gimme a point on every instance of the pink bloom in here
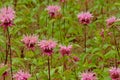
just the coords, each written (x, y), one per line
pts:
(85, 17)
(20, 75)
(30, 41)
(102, 33)
(53, 10)
(110, 21)
(76, 59)
(88, 76)
(5, 73)
(65, 50)
(7, 15)
(62, 1)
(47, 46)
(115, 73)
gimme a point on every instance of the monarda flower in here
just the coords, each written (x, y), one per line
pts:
(62, 1)
(110, 21)
(115, 73)
(65, 50)
(53, 11)
(47, 46)
(88, 76)
(20, 75)
(7, 15)
(85, 18)
(76, 59)
(30, 41)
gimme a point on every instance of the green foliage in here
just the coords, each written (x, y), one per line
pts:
(32, 18)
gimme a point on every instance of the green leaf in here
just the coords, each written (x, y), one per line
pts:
(110, 54)
(2, 70)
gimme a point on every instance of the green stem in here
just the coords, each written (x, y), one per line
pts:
(75, 73)
(52, 29)
(9, 48)
(49, 78)
(85, 35)
(48, 2)
(36, 77)
(86, 5)
(64, 22)
(15, 4)
(6, 58)
(3, 77)
(52, 37)
(64, 63)
(60, 33)
(31, 66)
(116, 45)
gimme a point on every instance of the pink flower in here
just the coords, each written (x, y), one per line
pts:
(47, 46)
(62, 1)
(20, 75)
(110, 21)
(88, 76)
(53, 10)
(5, 73)
(30, 41)
(76, 59)
(85, 17)
(115, 73)
(7, 15)
(65, 50)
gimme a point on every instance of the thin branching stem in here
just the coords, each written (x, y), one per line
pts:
(15, 4)
(49, 78)
(60, 32)
(31, 65)
(64, 22)
(10, 51)
(85, 38)
(6, 57)
(86, 5)
(64, 63)
(52, 29)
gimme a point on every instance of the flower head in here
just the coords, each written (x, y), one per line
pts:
(7, 15)
(88, 76)
(53, 11)
(110, 21)
(65, 50)
(47, 46)
(62, 1)
(76, 59)
(115, 73)
(85, 17)
(30, 41)
(20, 75)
